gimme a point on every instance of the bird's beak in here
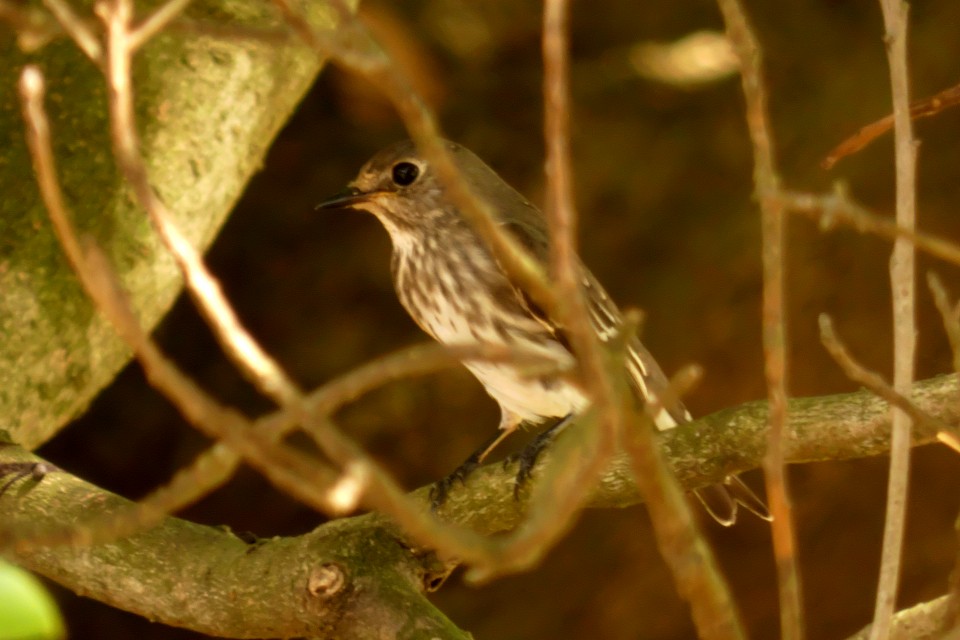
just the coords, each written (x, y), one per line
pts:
(349, 197)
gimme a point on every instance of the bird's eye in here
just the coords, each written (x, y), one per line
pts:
(405, 173)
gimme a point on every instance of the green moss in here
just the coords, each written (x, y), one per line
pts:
(207, 110)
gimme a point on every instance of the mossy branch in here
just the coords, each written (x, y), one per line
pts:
(359, 577)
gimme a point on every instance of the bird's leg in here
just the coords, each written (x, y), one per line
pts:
(441, 489)
(492, 444)
(529, 455)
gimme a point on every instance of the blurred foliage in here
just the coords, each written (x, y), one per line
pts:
(663, 180)
(27, 611)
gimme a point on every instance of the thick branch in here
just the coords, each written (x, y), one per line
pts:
(922, 621)
(342, 581)
(208, 105)
(227, 588)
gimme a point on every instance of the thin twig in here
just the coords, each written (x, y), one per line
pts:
(903, 286)
(567, 481)
(240, 346)
(950, 438)
(419, 360)
(837, 207)
(950, 315)
(925, 108)
(767, 190)
(572, 313)
(560, 209)
(215, 465)
(77, 29)
(698, 578)
(382, 492)
(581, 456)
(561, 214)
(156, 22)
(353, 47)
(874, 381)
(695, 570)
(564, 486)
(287, 468)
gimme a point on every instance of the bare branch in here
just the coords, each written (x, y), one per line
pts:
(920, 622)
(767, 192)
(354, 48)
(832, 427)
(925, 108)
(325, 585)
(903, 286)
(300, 476)
(562, 489)
(949, 313)
(156, 22)
(951, 324)
(684, 548)
(837, 207)
(216, 465)
(267, 375)
(560, 208)
(289, 469)
(243, 349)
(78, 30)
(873, 381)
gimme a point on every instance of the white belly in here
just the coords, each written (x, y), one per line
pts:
(470, 318)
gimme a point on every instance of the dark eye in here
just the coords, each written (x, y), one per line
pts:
(405, 173)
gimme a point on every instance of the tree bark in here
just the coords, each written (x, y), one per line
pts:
(208, 107)
(360, 577)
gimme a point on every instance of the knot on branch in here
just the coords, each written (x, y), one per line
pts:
(326, 581)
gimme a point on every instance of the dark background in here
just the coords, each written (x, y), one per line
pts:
(663, 180)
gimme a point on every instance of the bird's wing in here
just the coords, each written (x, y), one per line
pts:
(533, 239)
(646, 377)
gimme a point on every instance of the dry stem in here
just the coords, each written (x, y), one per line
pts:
(903, 286)
(767, 190)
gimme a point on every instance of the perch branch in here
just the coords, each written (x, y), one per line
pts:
(278, 602)
(920, 622)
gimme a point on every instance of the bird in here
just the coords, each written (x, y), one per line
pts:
(454, 288)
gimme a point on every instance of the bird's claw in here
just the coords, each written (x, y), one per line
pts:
(441, 488)
(527, 460)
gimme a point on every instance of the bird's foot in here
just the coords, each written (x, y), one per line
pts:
(528, 456)
(527, 460)
(441, 488)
